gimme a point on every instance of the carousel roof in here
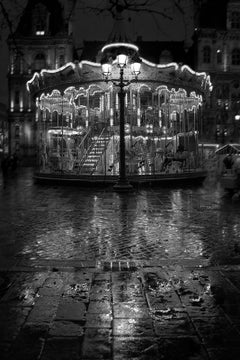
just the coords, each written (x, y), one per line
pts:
(154, 51)
(85, 73)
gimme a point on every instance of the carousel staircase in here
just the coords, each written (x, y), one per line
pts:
(94, 154)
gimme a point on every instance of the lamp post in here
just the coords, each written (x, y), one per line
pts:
(123, 59)
(237, 119)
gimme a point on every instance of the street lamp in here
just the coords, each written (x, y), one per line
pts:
(125, 54)
(237, 118)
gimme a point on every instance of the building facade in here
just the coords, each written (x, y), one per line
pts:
(42, 40)
(3, 130)
(218, 53)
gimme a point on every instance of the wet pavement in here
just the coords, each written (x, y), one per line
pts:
(92, 274)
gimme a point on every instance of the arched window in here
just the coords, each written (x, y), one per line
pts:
(235, 20)
(236, 57)
(145, 99)
(39, 62)
(94, 100)
(207, 54)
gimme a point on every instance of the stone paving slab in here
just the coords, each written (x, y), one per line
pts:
(167, 313)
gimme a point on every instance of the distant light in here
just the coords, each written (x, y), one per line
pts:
(40, 32)
(218, 50)
(65, 131)
(237, 117)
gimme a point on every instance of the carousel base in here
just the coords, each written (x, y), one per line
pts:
(188, 177)
(122, 186)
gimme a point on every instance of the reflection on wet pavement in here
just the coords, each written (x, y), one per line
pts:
(55, 222)
(91, 274)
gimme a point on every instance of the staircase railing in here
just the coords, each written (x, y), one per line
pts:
(104, 150)
(83, 144)
(90, 147)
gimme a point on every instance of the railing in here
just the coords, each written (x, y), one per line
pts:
(90, 147)
(84, 144)
(104, 150)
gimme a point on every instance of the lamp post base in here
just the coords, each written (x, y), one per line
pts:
(123, 186)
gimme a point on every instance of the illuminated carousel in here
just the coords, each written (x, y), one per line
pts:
(123, 120)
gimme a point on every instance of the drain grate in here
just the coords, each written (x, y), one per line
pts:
(119, 266)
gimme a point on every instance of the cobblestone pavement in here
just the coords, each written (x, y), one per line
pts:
(90, 274)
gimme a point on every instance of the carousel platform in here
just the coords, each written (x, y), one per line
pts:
(165, 179)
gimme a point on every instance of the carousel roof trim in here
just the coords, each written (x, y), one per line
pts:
(74, 73)
(49, 71)
(87, 62)
(147, 62)
(176, 66)
(35, 75)
(207, 77)
(119, 44)
(57, 70)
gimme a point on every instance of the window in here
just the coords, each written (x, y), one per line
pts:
(82, 100)
(17, 131)
(207, 54)
(40, 20)
(236, 84)
(18, 63)
(235, 20)
(94, 101)
(39, 62)
(61, 60)
(17, 97)
(236, 57)
(219, 56)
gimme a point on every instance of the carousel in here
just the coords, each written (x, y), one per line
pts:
(120, 120)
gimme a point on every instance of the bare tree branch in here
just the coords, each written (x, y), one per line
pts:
(176, 3)
(115, 7)
(10, 26)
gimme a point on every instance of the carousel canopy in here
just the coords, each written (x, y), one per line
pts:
(84, 73)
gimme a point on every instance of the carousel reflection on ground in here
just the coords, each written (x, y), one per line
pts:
(91, 274)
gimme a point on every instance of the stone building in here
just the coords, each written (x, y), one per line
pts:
(42, 40)
(3, 130)
(218, 53)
